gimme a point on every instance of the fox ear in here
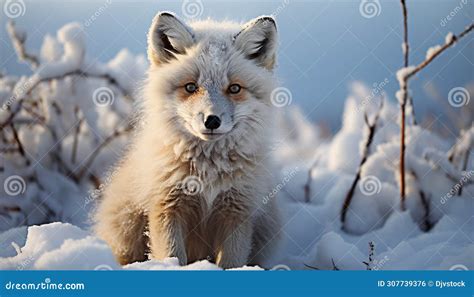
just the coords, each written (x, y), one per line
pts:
(258, 41)
(167, 38)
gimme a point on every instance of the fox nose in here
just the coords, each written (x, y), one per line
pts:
(212, 122)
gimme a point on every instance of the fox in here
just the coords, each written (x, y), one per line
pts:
(193, 181)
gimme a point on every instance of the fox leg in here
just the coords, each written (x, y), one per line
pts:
(266, 234)
(231, 227)
(123, 226)
(170, 223)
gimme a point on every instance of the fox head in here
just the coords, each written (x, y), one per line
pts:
(211, 79)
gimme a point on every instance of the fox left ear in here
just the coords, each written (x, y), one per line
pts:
(258, 41)
(167, 38)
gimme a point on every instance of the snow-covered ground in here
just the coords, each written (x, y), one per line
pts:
(52, 183)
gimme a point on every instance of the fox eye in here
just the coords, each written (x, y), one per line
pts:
(234, 88)
(190, 87)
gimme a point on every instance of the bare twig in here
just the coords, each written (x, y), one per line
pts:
(460, 148)
(370, 263)
(312, 267)
(406, 55)
(9, 150)
(117, 133)
(21, 150)
(307, 186)
(18, 40)
(403, 105)
(365, 154)
(334, 267)
(76, 135)
(81, 73)
(406, 45)
(464, 167)
(439, 51)
(427, 224)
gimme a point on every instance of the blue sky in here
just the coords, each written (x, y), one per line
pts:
(324, 44)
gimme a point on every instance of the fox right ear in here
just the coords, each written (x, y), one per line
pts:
(167, 38)
(258, 41)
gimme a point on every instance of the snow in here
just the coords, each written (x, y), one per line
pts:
(404, 48)
(66, 104)
(432, 51)
(72, 39)
(62, 246)
(402, 74)
(449, 38)
(313, 175)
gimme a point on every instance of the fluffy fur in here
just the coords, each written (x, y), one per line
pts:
(186, 191)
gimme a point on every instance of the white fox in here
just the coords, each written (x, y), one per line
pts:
(192, 185)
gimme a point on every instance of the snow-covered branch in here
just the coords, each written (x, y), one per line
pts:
(18, 39)
(62, 122)
(307, 185)
(425, 202)
(404, 75)
(372, 127)
(433, 52)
